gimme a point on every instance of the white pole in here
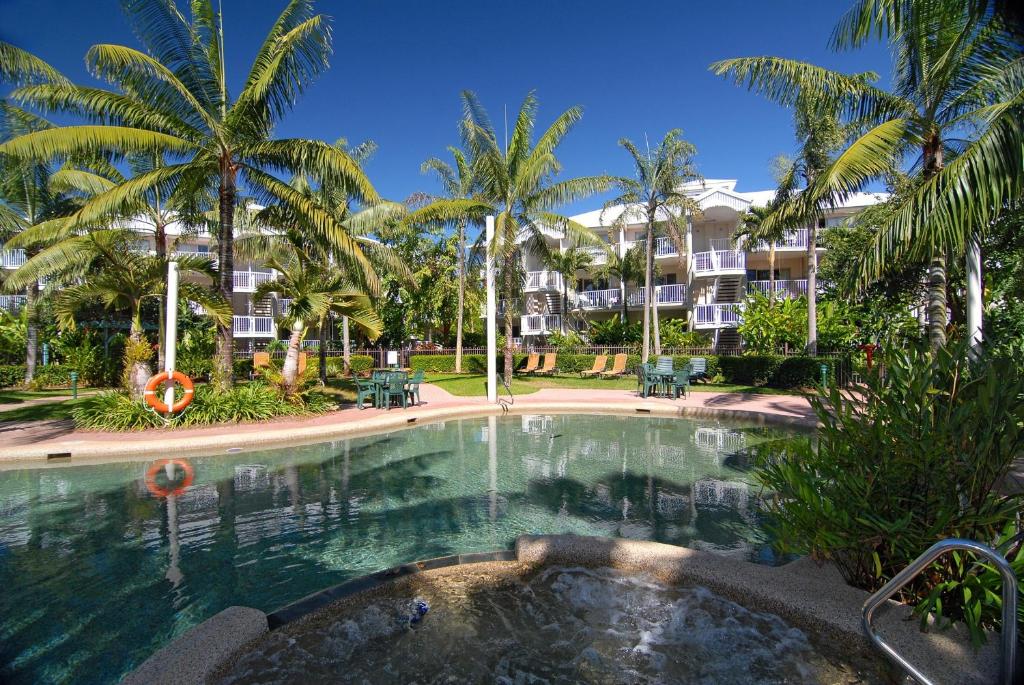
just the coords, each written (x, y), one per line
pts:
(492, 315)
(171, 342)
(974, 299)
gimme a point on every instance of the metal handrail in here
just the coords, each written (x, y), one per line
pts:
(1009, 631)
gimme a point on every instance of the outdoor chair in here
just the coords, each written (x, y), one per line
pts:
(260, 360)
(618, 367)
(600, 361)
(302, 363)
(644, 381)
(550, 359)
(396, 388)
(664, 365)
(698, 369)
(532, 363)
(364, 388)
(681, 382)
(413, 388)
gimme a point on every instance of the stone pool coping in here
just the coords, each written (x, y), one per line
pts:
(83, 447)
(811, 597)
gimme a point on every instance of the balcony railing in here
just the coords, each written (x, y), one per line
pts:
(597, 255)
(716, 315)
(600, 299)
(248, 281)
(792, 240)
(540, 324)
(667, 294)
(543, 280)
(788, 288)
(722, 244)
(254, 326)
(12, 259)
(663, 246)
(715, 261)
(12, 303)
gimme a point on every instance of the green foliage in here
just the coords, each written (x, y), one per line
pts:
(615, 333)
(916, 458)
(135, 352)
(113, 411)
(53, 376)
(360, 363)
(674, 334)
(769, 326)
(749, 369)
(836, 330)
(196, 347)
(779, 372)
(83, 349)
(11, 374)
(569, 341)
(12, 337)
(471, 363)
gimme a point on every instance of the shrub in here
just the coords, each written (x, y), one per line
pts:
(769, 326)
(569, 341)
(749, 369)
(615, 333)
(916, 458)
(53, 376)
(113, 410)
(471, 363)
(780, 372)
(12, 375)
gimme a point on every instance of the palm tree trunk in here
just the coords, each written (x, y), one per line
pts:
(160, 247)
(139, 373)
(346, 355)
(31, 331)
(654, 322)
(565, 305)
(812, 288)
(648, 292)
(290, 370)
(771, 274)
(223, 363)
(460, 308)
(322, 353)
(509, 363)
(937, 303)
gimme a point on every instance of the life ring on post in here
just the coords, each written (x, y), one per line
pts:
(160, 466)
(154, 401)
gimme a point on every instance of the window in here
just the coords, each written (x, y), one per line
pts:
(588, 284)
(668, 279)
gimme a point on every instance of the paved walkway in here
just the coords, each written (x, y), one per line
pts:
(40, 439)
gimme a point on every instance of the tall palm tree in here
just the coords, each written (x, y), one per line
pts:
(657, 197)
(629, 269)
(752, 227)
(568, 263)
(516, 188)
(173, 99)
(953, 70)
(104, 266)
(458, 183)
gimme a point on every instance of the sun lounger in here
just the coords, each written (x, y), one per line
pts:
(532, 363)
(600, 361)
(618, 367)
(550, 360)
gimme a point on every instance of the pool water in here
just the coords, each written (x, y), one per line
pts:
(98, 571)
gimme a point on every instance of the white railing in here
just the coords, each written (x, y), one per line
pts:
(721, 244)
(543, 280)
(663, 246)
(248, 281)
(598, 255)
(716, 315)
(600, 299)
(708, 262)
(538, 324)
(788, 288)
(254, 326)
(667, 294)
(792, 240)
(12, 303)
(12, 259)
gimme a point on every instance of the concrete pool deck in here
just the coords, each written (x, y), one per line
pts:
(41, 440)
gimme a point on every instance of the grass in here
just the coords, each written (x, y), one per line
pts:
(474, 385)
(40, 412)
(11, 396)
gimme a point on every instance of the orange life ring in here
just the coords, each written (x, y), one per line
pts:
(158, 466)
(153, 400)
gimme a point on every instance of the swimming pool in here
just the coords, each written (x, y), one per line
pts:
(98, 571)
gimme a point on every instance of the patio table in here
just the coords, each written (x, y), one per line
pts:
(664, 379)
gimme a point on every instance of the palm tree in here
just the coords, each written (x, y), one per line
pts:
(173, 99)
(657, 197)
(105, 266)
(752, 227)
(629, 270)
(953, 69)
(516, 188)
(458, 183)
(568, 263)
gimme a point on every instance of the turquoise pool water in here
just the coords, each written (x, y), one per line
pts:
(98, 572)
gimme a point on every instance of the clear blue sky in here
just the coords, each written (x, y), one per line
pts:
(398, 68)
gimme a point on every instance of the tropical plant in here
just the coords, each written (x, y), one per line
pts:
(615, 333)
(917, 456)
(458, 183)
(568, 263)
(516, 187)
(657, 197)
(674, 333)
(629, 270)
(768, 328)
(753, 228)
(954, 69)
(172, 98)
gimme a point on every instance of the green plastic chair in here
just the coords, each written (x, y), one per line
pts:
(681, 382)
(414, 385)
(645, 382)
(365, 388)
(396, 388)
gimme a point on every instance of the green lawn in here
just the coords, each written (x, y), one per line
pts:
(11, 396)
(471, 385)
(40, 412)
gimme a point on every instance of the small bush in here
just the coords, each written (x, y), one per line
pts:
(53, 376)
(471, 363)
(749, 369)
(12, 375)
(113, 411)
(780, 372)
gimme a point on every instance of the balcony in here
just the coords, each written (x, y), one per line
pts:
(12, 303)
(663, 247)
(793, 240)
(667, 295)
(598, 255)
(543, 280)
(600, 299)
(716, 315)
(254, 327)
(248, 281)
(12, 259)
(794, 288)
(716, 263)
(540, 324)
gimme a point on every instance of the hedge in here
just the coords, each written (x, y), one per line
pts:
(11, 374)
(781, 372)
(471, 363)
(567, 362)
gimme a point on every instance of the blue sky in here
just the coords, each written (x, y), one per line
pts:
(398, 67)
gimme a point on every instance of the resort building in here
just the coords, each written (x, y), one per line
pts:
(702, 280)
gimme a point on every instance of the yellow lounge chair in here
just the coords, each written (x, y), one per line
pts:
(618, 367)
(260, 360)
(600, 361)
(532, 363)
(549, 364)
